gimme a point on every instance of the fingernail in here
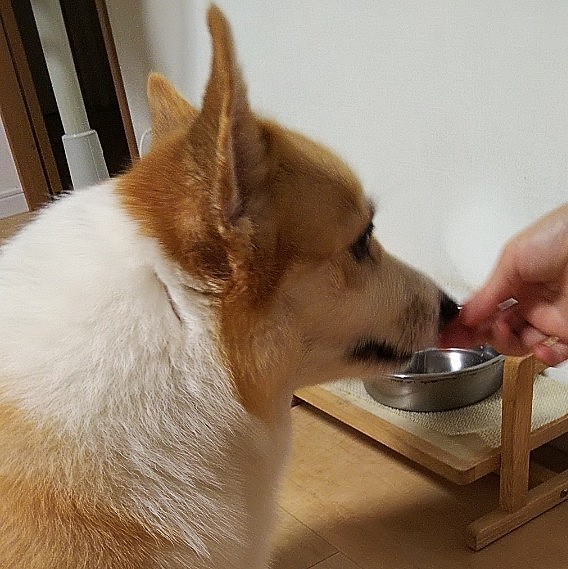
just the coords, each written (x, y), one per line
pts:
(506, 304)
(550, 341)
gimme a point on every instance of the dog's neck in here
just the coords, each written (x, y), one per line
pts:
(161, 405)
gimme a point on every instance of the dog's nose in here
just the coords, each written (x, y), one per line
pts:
(448, 311)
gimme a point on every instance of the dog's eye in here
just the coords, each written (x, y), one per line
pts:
(360, 249)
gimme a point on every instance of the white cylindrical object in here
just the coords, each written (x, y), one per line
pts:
(82, 146)
(60, 65)
(85, 158)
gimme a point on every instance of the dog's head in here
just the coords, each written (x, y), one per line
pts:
(277, 232)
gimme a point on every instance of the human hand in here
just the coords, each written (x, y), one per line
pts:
(533, 269)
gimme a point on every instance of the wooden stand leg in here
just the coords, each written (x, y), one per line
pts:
(516, 504)
(498, 523)
(518, 377)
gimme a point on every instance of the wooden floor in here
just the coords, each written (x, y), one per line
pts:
(349, 503)
(9, 225)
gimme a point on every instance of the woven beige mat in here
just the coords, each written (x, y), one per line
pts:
(550, 402)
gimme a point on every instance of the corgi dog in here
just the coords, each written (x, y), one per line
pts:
(153, 329)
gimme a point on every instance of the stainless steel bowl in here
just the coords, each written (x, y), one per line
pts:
(441, 379)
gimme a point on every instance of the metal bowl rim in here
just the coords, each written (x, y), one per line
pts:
(446, 375)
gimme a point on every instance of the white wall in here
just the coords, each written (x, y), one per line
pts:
(454, 113)
(12, 199)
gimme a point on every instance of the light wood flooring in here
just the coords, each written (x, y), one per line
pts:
(9, 225)
(349, 503)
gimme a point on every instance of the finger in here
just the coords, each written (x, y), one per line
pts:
(531, 337)
(526, 334)
(551, 354)
(535, 319)
(513, 336)
(500, 335)
(484, 304)
(514, 319)
(502, 285)
(519, 331)
(550, 318)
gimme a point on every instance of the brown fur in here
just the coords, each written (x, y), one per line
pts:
(55, 501)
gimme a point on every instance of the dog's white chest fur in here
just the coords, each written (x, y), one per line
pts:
(105, 339)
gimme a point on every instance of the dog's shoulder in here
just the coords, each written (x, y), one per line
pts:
(82, 304)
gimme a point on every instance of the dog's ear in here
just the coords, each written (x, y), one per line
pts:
(226, 135)
(168, 109)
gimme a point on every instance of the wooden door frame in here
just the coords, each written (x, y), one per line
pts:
(22, 117)
(110, 46)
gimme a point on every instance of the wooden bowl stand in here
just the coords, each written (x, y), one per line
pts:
(463, 459)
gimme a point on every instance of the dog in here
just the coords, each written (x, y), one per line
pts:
(154, 329)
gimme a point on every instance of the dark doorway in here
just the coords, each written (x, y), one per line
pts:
(98, 86)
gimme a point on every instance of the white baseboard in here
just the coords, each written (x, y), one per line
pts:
(12, 201)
